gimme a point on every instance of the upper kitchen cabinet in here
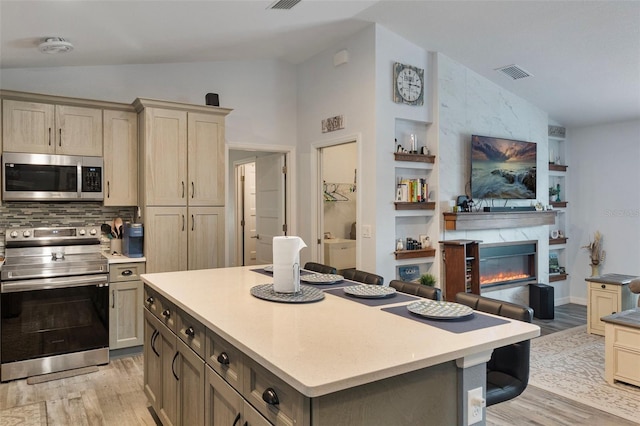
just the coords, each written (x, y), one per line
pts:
(44, 128)
(120, 158)
(205, 140)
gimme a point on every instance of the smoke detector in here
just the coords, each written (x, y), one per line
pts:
(55, 45)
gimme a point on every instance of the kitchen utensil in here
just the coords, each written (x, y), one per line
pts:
(117, 226)
(106, 229)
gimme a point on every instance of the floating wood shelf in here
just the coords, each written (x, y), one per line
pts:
(555, 241)
(429, 205)
(557, 167)
(413, 254)
(559, 204)
(497, 220)
(557, 277)
(417, 158)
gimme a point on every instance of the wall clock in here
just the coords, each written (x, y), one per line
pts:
(408, 84)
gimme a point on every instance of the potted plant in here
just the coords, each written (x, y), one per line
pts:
(428, 280)
(553, 192)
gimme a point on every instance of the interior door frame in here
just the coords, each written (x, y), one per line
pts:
(239, 191)
(316, 191)
(290, 186)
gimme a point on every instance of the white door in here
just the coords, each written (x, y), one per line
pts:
(249, 235)
(270, 204)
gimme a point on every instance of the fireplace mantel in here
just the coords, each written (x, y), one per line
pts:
(497, 220)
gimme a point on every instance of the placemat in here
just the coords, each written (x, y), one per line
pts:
(306, 294)
(396, 298)
(476, 322)
(270, 274)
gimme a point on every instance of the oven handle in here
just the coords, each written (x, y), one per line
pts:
(101, 280)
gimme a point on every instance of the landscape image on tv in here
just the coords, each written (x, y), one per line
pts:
(502, 168)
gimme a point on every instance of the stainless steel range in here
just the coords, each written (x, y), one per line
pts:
(54, 300)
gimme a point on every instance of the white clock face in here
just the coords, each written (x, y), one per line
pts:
(409, 84)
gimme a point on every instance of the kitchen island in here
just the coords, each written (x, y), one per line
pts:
(338, 360)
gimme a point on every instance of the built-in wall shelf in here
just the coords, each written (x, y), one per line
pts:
(497, 220)
(417, 158)
(557, 167)
(557, 277)
(558, 204)
(414, 254)
(556, 241)
(429, 205)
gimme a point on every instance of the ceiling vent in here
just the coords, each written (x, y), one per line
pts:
(514, 72)
(55, 45)
(283, 4)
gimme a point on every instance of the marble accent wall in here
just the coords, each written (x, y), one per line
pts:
(471, 104)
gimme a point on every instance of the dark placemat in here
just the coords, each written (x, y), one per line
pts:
(396, 298)
(340, 284)
(270, 274)
(476, 321)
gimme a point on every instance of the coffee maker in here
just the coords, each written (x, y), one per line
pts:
(132, 239)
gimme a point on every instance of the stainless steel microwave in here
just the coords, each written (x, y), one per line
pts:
(44, 177)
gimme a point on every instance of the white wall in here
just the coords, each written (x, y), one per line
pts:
(471, 104)
(604, 194)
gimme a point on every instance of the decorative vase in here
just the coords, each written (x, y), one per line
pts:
(595, 270)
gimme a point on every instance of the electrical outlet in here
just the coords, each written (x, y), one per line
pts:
(366, 231)
(475, 406)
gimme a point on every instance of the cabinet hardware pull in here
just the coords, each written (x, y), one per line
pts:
(166, 313)
(190, 332)
(182, 189)
(603, 286)
(113, 299)
(193, 223)
(127, 272)
(193, 189)
(60, 140)
(223, 358)
(49, 136)
(270, 397)
(173, 362)
(183, 223)
(154, 336)
(236, 420)
(150, 300)
(108, 190)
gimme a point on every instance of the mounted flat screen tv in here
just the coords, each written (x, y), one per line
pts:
(502, 168)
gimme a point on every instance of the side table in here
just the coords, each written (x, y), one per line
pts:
(622, 347)
(607, 294)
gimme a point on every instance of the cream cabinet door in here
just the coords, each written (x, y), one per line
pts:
(125, 316)
(78, 131)
(120, 158)
(165, 239)
(28, 127)
(205, 160)
(601, 304)
(165, 157)
(206, 237)
(190, 378)
(223, 405)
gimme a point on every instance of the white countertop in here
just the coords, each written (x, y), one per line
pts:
(121, 258)
(322, 347)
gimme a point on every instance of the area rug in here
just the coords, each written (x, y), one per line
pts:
(570, 363)
(25, 415)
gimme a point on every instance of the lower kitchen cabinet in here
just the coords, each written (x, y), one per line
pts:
(125, 317)
(174, 376)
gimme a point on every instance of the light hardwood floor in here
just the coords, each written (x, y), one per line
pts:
(114, 395)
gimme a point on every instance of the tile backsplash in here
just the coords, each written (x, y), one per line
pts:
(47, 214)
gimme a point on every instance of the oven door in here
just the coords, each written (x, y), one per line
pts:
(46, 318)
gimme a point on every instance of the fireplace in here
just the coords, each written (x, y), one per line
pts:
(508, 264)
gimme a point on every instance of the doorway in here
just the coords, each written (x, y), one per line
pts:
(337, 240)
(261, 193)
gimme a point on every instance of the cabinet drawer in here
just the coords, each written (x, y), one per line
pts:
(164, 310)
(191, 332)
(628, 338)
(625, 365)
(225, 359)
(259, 382)
(125, 271)
(606, 287)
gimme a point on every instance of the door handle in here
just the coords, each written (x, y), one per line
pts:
(113, 299)
(108, 189)
(256, 236)
(193, 189)
(182, 189)
(60, 140)
(49, 136)
(173, 362)
(193, 222)
(182, 222)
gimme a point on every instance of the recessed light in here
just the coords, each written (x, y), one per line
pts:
(55, 45)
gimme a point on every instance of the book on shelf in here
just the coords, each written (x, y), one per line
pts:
(412, 190)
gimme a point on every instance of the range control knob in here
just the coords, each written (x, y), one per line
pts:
(26, 234)
(93, 231)
(13, 234)
(81, 231)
